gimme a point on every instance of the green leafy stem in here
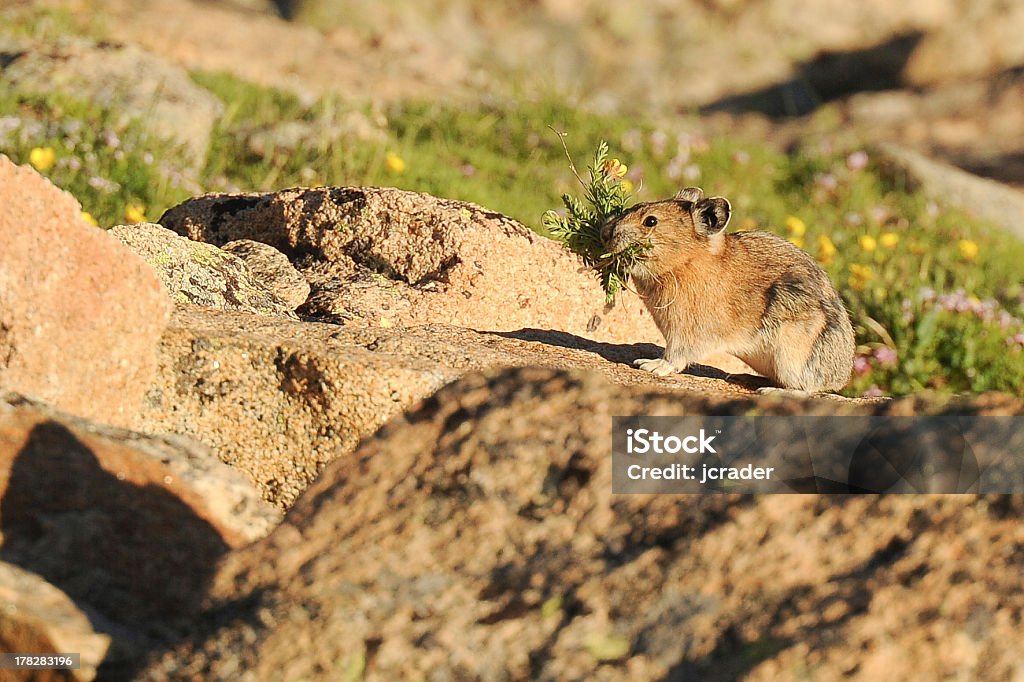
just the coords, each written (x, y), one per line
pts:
(606, 198)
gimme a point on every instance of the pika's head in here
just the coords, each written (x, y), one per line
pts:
(676, 230)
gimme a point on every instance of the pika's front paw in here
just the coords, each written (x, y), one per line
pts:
(658, 366)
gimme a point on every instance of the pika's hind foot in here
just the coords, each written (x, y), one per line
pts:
(784, 392)
(658, 366)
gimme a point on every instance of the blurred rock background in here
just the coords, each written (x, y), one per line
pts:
(942, 75)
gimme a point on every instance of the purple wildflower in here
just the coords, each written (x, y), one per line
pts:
(674, 169)
(826, 181)
(956, 302)
(632, 140)
(861, 365)
(9, 124)
(658, 142)
(878, 214)
(885, 355)
(857, 161)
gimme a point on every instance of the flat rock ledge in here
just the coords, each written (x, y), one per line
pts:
(279, 398)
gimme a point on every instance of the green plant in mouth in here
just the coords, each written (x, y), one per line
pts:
(606, 198)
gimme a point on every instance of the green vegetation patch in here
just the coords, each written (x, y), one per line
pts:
(116, 170)
(46, 22)
(935, 295)
(606, 198)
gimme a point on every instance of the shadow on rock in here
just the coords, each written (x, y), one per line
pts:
(135, 558)
(625, 354)
(828, 77)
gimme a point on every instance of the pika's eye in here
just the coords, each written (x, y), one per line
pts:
(650, 221)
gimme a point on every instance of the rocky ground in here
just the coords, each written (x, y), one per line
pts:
(363, 433)
(488, 542)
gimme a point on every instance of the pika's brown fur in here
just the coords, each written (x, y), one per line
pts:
(751, 294)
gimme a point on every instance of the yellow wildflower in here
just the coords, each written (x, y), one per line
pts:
(628, 186)
(748, 224)
(860, 275)
(551, 607)
(796, 227)
(394, 162)
(862, 271)
(87, 217)
(797, 241)
(42, 158)
(968, 249)
(867, 243)
(889, 239)
(615, 168)
(826, 249)
(135, 213)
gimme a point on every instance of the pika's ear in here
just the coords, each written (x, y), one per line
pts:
(691, 194)
(711, 215)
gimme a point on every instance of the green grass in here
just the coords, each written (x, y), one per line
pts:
(46, 23)
(505, 156)
(107, 164)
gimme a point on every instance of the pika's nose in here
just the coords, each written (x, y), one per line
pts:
(607, 232)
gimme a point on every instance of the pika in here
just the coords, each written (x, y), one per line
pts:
(751, 294)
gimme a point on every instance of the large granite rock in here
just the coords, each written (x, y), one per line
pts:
(130, 526)
(80, 315)
(279, 399)
(979, 43)
(984, 198)
(385, 256)
(38, 618)
(477, 537)
(273, 269)
(663, 57)
(201, 274)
